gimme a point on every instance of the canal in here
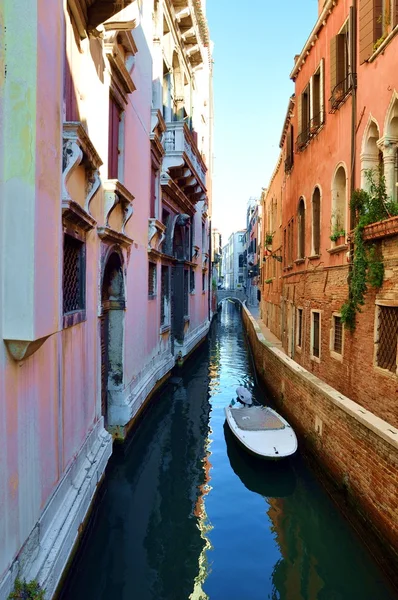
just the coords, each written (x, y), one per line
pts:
(184, 513)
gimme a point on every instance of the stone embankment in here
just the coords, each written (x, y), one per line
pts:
(357, 452)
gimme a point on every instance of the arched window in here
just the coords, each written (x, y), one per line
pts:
(339, 204)
(390, 149)
(316, 222)
(371, 156)
(301, 228)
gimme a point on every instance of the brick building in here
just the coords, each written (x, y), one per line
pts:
(335, 130)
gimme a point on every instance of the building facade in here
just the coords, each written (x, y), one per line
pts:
(339, 136)
(233, 262)
(252, 252)
(105, 140)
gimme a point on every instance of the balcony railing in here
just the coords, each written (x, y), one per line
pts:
(341, 91)
(310, 131)
(180, 146)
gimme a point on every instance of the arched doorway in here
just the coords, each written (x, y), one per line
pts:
(112, 329)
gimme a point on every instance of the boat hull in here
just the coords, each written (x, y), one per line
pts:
(270, 444)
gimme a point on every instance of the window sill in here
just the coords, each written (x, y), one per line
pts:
(299, 261)
(152, 296)
(299, 349)
(314, 257)
(382, 46)
(386, 373)
(164, 329)
(337, 249)
(336, 356)
(316, 359)
(73, 318)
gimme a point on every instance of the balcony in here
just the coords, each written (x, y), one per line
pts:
(311, 130)
(341, 91)
(183, 162)
(88, 14)
(381, 229)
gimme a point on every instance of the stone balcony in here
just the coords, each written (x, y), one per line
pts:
(183, 162)
(381, 229)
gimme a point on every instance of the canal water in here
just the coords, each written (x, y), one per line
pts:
(186, 514)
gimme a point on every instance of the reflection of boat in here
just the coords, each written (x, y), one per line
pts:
(262, 431)
(267, 479)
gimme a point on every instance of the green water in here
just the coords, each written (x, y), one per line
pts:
(184, 513)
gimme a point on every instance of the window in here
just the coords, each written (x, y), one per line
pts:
(301, 229)
(339, 205)
(299, 327)
(310, 108)
(240, 258)
(387, 338)
(341, 77)
(241, 238)
(316, 222)
(151, 279)
(315, 334)
(284, 247)
(74, 271)
(154, 193)
(203, 237)
(165, 299)
(71, 112)
(377, 18)
(240, 279)
(337, 341)
(203, 281)
(192, 281)
(290, 243)
(186, 292)
(289, 150)
(115, 117)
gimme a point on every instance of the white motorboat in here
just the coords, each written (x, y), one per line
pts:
(260, 429)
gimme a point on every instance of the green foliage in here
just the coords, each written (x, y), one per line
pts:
(26, 591)
(367, 264)
(268, 239)
(336, 234)
(270, 280)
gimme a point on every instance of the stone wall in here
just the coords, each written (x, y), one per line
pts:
(356, 451)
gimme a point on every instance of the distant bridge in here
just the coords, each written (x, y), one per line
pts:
(230, 294)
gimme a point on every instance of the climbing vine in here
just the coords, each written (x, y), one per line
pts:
(367, 263)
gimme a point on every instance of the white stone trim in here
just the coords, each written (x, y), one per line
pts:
(124, 404)
(45, 553)
(312, 357)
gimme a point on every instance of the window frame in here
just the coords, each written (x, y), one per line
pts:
(313, 356)
(74, 317)
(383, 370)
(299, 327)
(152, 266)
(333, 352)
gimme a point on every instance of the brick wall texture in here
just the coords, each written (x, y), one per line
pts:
(357, 450)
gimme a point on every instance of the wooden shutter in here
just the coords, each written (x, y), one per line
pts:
(341, 55)
(322, 91)
(291, 135)
(299, 117)
(113, 140)
(333, 63)
(153, 194)
(395, 13)
(370, 27)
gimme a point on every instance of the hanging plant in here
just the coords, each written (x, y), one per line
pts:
(268, 239)
(367, 264)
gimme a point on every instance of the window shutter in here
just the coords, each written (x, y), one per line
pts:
(333, 63)
(395, 13)
(299, 115)
(322, 92)
(369, 28)
(311, 99)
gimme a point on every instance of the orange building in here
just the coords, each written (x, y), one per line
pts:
(342, 121)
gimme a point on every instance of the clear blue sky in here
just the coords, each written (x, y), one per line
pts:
(254, 47)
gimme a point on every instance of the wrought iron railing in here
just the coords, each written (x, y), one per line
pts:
(310, 131)
(341, 91)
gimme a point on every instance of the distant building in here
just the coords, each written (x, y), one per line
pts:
(252, 251)
(233, 262)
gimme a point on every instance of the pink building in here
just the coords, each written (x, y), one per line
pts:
(105, 275)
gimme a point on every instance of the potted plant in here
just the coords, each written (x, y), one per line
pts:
(268, 239)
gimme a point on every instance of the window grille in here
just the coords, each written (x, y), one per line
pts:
(192, 281)
(151, 279)
(165, 294)
(388, 338)
(337, 335)
(73, 275)
(315, 334)
(299, 327)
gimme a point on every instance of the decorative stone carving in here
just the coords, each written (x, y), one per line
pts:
(116, 194)
(79, 150)
(156, 234)
(120, 50)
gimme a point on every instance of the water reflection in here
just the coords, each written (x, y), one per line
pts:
(267, 478)
(185, 513)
